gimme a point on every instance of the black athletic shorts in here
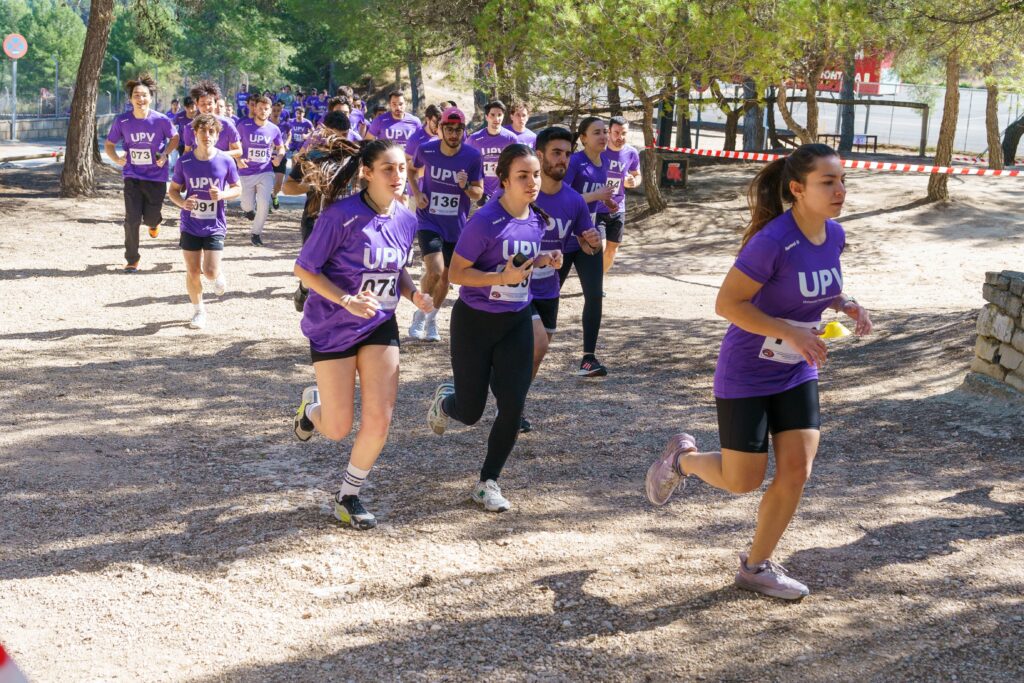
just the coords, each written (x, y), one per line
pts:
(190, 242)
(744, 423)
(546, 310)
(143, 200)
(611, 225)
(386, 334)
(283, 166)
(431, 243)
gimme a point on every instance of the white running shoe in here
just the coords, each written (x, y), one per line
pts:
(304, 427)
(436, 417)
(488, 494)
(220, 285)
(198, 321)
(431, 334)
(418, 328)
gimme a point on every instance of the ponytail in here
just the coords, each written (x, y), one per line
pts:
(770, 187)
(328, 168)
(542, 213)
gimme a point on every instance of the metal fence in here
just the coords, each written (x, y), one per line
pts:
(50, 105)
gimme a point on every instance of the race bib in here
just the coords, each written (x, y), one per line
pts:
(615, 184)
(444, 204)
(259, 155)
(141, 157)
(384, 286)
(491, 169)
(780, 351)
(298, 137)
(512, 293)
(206, 210)
(543, 273)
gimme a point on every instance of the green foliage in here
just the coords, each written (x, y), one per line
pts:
(52, 29)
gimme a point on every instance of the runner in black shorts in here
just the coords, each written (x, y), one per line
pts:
(787, 273)
(623, 163)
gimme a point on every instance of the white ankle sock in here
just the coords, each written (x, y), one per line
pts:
(354, 478)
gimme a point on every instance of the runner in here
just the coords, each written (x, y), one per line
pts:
(354, 263)
(229, 113)
(429, 131)
(300, 130)
(210, 180)
(786, 274)
(356, 115)
(262, 150)
(623, 163)
(491, 330)
(242, 101)
(205, 95)
(395, 124)
(325, 151)
(220, 108)
(446, 178)
(147, 137)
(569, 230)
(588, 176)
(279, 118)
(175, 109)
(490, 141)
(520, 115)
(184, 120)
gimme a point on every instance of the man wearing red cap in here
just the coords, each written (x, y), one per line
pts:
(452, 176)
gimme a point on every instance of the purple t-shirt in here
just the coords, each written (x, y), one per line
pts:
(143, 140)
(358, 250)
(448, 204)
(356, 118)
(300, 132)
(417, 139)
(490, 238)
(569, 218)
(800, 280)
(490, 148)
(619, 165)
(259, 144)
(354, 136)
(228, 134)
(196, 177)
(583, 176)
(397, 130)
(527, 137)
(242, 100)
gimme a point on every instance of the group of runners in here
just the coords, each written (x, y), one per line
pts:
(505, 214)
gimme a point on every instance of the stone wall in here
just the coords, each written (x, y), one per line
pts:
(49, 129)
(999, 351)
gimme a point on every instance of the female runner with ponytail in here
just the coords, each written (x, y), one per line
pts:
(492, 323)
(354, 266)
(786, 274)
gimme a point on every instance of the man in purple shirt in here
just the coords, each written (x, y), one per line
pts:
(623, 163)
(173, 111)
(395, 124)
(490, 141)
(262, 149)
(147, 137)
(520, 114)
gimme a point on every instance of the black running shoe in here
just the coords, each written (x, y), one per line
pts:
(257, 241)
(350, 511)
(299, 298)
(591, 367)
(276, 204)
(524, 426)
(251, 215)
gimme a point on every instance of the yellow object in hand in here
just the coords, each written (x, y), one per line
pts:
(835, 330)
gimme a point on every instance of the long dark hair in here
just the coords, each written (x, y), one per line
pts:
(584, 126)
(770, 187)
(329, 165)
(504, 167)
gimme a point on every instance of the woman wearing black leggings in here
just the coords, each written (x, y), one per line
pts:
(492, 327)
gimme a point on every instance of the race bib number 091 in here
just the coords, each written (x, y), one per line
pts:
(383, 286)
(206, 209)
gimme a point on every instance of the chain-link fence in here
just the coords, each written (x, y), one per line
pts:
(47, 104)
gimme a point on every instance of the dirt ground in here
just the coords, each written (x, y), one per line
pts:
(161, 523)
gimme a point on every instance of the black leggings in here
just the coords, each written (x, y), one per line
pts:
(590, 271)
(491, 350)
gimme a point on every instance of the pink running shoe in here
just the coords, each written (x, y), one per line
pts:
(769, 578)
(664, 476)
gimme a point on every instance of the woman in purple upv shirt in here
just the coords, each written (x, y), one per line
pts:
(492, 326)
(353, 265)
(786, 275)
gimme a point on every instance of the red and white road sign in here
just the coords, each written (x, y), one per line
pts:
(15, 46)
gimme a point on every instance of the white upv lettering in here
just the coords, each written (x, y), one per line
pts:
(616, 166)
(382, 258)
(142, 137)
(510, 248)
(441, 174)
(560, 225)
(821, 279)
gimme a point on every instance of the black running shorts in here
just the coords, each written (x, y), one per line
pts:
(431, 243)
(744, 423)
(546, 310)
(386, 334)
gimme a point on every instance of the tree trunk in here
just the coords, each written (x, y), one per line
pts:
(614, 99)
(814, 77)
(938, 183)
(995, 150)
(78, 178)
(732, 124)
(805, 135)
(480, 98)
(846, 114)
(773, 133)
(753, 123)
(419, 93)
(651, 162)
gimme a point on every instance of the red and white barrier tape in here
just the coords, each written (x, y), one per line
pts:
(848, 163)
(979, 160)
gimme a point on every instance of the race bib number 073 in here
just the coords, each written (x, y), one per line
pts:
(141, 157)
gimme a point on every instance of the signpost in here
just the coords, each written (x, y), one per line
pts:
(15, 47)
